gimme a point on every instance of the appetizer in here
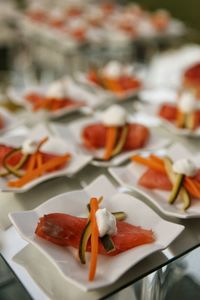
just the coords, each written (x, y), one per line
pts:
(191, 76)
(28, 162)
(55, 99)
(114, 133)
(181, 178)
(102, 232)
(114, 77)
(186, 114)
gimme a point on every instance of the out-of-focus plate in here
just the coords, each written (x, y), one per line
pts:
(76, 92)
(150, 111)
(107, 94)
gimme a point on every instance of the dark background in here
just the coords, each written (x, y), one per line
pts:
(188, 11)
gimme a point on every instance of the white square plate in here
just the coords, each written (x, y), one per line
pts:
(151, 108)
(77, 162)
(74, 91)
(129, 175)
(75, 129)
(109, 269)
(106, 93)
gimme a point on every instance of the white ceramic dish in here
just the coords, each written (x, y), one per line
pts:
(77, 162)
(74, 91)
(106, 93)
(128, 176)
(109, 268)
(75, 129)
(150, 111)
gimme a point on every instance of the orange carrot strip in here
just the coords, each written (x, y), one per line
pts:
(111, 136)
(51, 164)
(39, 161)
(113, 85)
(94, 238)
(33, 159)
(156, 159)
(192, 187)
(41, 142)
(31, 163)
(180, 119)
(149, 163)
(197, 183)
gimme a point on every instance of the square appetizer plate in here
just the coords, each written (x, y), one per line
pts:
(129, 175)
(107, 94)
(109, 269)
(153, 99)
(75, 130)
(88, 101)
(53, 145)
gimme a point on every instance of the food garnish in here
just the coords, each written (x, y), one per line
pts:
(52, 104)
(83, 234)
(186, 114)
(28, 165)
(114, 134)
(115, 78)
(180, 178)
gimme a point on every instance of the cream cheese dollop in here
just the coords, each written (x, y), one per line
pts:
(106, 222)
(57, 90)
(29, 146)
(185, 166)
(115, 115)
(113, 69)
(187, 102)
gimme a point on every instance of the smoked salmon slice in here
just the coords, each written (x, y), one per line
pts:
(168, 112)
(40, 102)
(153, 179)
(66, 230)
(94, 136)
(191, 76)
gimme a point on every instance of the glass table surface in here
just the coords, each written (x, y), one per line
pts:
(39, 276)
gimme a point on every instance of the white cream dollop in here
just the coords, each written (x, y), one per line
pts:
(106, 222)
(29, 146)
(185, 166)
(113, 69)
(115, 115)
(57, 90)
(187, 102)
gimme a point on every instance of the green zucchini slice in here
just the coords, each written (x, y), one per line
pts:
(14, 170)
(107, 243)
(185, 196)
(172, 176)
(84, 241)
(4, 173)
(120, 215)
(118, 148)
(176, 188)
(106, 240)
(189, 121)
